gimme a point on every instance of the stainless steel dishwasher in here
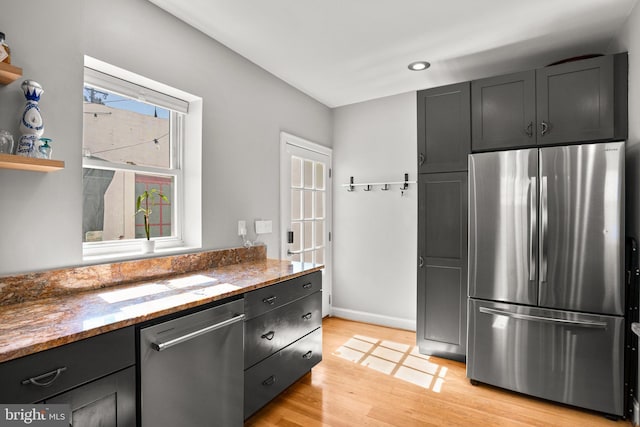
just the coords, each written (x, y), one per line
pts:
(191, 369)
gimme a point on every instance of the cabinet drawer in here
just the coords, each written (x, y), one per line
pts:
(276, 329)
(271, 297)
(273, 375)
(77, 363)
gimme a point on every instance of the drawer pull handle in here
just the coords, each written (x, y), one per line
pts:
(307, 355)
(269, 381)
(269, 335)
(269, 300)
(36, 380)
(306, 316)
(307, 285)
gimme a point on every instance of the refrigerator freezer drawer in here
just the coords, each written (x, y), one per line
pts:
(568, 357)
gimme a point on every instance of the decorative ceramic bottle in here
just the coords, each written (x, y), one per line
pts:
(31, 124)
(44, 150)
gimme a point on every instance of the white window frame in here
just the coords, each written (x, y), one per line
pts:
(186, 168)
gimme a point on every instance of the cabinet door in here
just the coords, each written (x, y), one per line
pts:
(503, 111)
(444, 128)
(442, 271)
(575, 101)
(107, 402)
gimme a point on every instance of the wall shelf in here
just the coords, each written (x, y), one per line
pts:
(11, 161)
(9, 73)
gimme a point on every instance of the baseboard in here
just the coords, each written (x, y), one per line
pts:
(376, 319)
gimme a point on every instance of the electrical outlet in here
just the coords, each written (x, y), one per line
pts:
(242, 228)
(264, 227)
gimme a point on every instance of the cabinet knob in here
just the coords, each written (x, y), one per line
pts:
(269, 300)
(545, 128)
(529, 129)
(307, 285)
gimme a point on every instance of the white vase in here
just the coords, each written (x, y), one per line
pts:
(31, 124)
(148, 246)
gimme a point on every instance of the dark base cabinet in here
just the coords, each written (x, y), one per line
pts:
(109, 401)
(442, 270)
(96, 376)
(283, 337)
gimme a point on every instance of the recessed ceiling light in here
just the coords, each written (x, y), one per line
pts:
(419, 65)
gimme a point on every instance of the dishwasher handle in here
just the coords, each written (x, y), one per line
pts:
(159, 346)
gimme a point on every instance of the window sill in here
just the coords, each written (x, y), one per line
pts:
(130, 254)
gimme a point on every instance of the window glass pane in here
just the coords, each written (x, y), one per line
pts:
(308, 204)
(295, 258)
(308, 174)
(319, 233)
(319, 205)
(296, 172)
(160, 210)
(308, 235)
(320, 176)
(296, 209)
(126, 131)
(319, 256)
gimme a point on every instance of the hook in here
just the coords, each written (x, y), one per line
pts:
(385, 187)
(367, 187)
(351, 187)
(406, 183)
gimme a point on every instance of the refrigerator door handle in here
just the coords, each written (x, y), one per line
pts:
(542, 319)
(544, 222)
(533, 223)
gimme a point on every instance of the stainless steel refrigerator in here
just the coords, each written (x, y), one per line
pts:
(546, 263)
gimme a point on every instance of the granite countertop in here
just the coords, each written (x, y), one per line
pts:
(39, 324)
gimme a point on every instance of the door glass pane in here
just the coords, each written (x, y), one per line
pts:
(308, 204)
(296, 227)
(319, 256)
(319, 206)
(319, 233)
(320, 176)
(308, 235)
(308, 257)
(296, 172)
(296, 210)
(308, 174)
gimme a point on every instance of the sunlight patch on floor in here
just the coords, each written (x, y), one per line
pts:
(401, 361)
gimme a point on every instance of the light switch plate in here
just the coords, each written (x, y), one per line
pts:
(264, 227)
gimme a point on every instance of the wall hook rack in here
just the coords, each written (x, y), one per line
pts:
(384, 186)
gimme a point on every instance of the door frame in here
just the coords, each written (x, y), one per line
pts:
(287, 139)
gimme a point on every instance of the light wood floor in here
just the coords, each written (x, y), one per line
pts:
(341, 392)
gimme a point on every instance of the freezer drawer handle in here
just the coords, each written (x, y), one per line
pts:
(36, 380)
(581, 323)
(166, 344)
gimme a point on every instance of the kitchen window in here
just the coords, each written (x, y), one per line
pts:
(138, 135)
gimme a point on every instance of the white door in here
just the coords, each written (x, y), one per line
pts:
(305, 206)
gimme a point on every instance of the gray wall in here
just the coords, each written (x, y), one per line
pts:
(245, 108)
(629, 40)
(375, 233)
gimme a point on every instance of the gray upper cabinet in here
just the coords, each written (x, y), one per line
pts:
(503, 111)
(578, 101)
(444, 128)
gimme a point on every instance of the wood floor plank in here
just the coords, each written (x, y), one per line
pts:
(386, 393)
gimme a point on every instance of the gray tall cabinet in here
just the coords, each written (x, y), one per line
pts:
(444, 142)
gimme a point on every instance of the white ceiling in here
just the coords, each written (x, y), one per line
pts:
(346, 51)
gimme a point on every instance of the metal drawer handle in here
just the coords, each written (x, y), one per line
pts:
(420, 159)
(269, 335)
(545, 128)
(542, 319)
(269, 300)
(165, 345)
(307, 285)
(529, 130)
(306, 316)
(269, 381)
(307, 355)
(36, 380)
